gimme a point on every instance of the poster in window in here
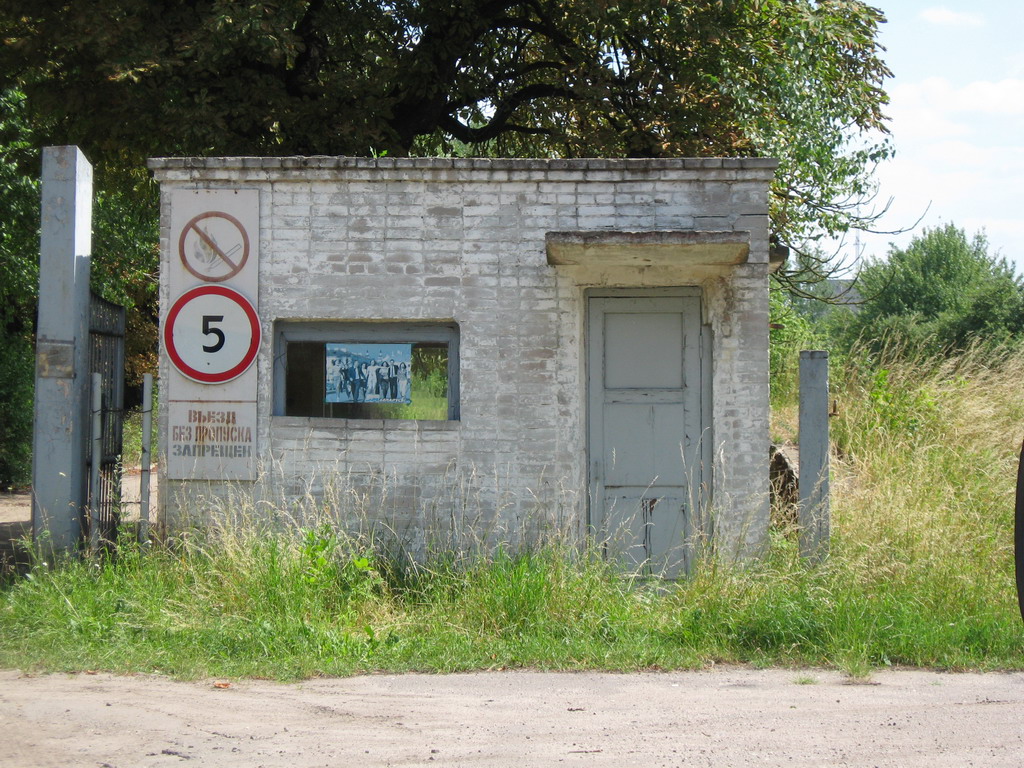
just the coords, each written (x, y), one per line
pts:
(368, 373)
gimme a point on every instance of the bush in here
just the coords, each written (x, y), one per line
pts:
(791, 331)
(16, 390)
(942, 292)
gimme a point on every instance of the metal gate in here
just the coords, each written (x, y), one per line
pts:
(106, 357)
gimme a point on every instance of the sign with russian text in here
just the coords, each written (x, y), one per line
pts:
(211, 334)
(211, 441)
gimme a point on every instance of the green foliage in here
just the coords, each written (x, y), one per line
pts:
(328, 564)
(825, 125)
(131, 444)
(943, 291)
(125, 223)
(920, 573)
(124, 269)
(790, 332)
(19, 279)
(795, 79)
(17, 366)
(897, 409)
(125, 264)
(430, 370)
(19, 224)
(428, 389)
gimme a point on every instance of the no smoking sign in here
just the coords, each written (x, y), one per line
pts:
(212, 334)
(213, 246)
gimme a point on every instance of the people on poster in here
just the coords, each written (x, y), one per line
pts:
(403, 382)
(368, 373)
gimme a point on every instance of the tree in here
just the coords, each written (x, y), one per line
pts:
(124, 267)
(797, 79)
(800, 80)
(943, 291)
(19, 278)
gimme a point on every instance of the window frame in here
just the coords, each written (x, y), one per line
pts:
(365, 332)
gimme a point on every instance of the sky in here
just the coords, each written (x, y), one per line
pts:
(957, 121)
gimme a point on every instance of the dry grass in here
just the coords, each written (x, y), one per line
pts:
(921, 570)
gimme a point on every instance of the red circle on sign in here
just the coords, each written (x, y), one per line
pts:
(193, 226)
(234, 371)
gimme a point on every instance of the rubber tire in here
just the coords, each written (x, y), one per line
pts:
(1018, 534)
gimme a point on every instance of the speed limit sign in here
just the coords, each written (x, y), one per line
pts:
(212, 334)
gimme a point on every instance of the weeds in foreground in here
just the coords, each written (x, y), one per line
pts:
(921, 573)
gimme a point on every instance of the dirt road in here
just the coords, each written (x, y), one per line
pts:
(723, 717)
(16, 512)
(16, 506)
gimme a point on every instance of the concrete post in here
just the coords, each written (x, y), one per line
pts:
(59, 478)
(96, 458)
(147, 456)
(814, 513)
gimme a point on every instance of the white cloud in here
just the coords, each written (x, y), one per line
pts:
(1014, 63)
(994, 97)
(1001, 97)
(920, 123)
(994, 160)
(957, 109)
(1004, 235)
(960, 180)
(943, 17)
(974, 186)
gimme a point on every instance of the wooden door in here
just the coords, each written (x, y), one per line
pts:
(645, 425)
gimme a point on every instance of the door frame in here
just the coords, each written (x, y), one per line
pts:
(702, 499)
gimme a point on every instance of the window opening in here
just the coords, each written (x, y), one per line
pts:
(366, 371)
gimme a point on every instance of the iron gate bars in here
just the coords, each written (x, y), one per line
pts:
(106, 357)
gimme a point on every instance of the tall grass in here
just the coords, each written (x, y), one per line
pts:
(920, 573)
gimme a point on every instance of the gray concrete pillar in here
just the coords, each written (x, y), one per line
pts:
(814, 513)
(59, 475)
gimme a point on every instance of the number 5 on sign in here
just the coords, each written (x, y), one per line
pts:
(212, 334)
(208, 329)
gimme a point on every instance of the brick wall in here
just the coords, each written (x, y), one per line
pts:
(465, 240)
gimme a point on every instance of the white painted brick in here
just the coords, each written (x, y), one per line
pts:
(465, 239)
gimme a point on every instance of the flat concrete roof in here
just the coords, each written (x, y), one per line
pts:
(458, 163)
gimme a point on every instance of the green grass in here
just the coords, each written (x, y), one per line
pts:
(920, 573)
(131, 446)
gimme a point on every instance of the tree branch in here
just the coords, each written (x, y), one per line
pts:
(499, 123)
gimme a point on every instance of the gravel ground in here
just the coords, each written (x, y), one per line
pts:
(16, 513)
(721, 717)
(15, 507)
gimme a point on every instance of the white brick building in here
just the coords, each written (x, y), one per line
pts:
(604, 323)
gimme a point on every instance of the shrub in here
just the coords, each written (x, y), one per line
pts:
(943, 291)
